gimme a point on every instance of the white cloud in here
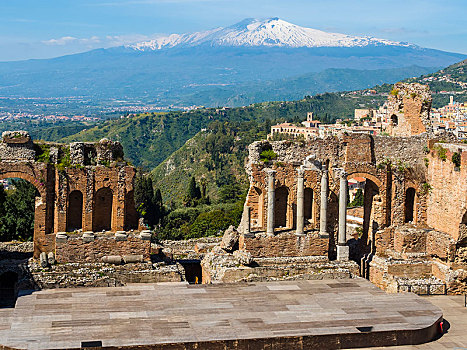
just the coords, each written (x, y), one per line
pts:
(94, 42)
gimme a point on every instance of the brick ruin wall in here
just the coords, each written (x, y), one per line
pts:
(82, 186)
(77, 248)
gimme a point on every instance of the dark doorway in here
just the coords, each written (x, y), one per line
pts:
(193, 271)
(75, 211)
(282, 194)
(308, 204)
(102, 213)
(8, 282)
(409, 204)
(394, 120)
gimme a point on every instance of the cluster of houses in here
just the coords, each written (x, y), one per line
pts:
(452, 118)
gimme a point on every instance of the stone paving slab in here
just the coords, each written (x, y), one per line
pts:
(304, 314)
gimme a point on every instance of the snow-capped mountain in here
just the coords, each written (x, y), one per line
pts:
(268, 32)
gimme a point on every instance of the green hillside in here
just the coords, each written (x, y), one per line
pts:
(148, 139)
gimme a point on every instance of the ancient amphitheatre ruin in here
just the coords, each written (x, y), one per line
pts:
(294, 227)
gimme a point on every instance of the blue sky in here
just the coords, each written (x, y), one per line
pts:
(50, 28)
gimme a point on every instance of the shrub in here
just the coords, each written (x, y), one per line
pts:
(394, 92)
(456, 159)
(441, 152)
(268, 155)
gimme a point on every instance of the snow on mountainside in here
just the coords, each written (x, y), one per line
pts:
(269, 32)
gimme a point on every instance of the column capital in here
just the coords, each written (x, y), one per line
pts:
(300, 172)
(270, 172)
(324, 167)
(343, 174)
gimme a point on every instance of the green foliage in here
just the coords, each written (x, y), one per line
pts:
(17, 211)
(148, 203)
(427, 161)
(442, 152)
(394, 92)
(358, 200)
(64, 160)
(456, 159)
(268, 155)
(426, 188)
(185, 223)
(42, 152)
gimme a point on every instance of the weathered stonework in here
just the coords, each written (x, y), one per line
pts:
(415, 200)
(75, 194)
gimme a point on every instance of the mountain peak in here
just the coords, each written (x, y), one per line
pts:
(268, 32)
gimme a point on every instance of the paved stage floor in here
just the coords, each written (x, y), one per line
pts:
(144, 314)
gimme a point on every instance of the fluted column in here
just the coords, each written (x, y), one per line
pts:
(271, 201)
(323, 216)
(342, 248)
(300, 202)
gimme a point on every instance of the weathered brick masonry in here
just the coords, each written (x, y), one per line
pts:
(82, 186)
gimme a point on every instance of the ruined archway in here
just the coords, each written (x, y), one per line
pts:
(102, 212)
(75, 211)
(19, 201)
(409, 207)
(370, 213)
(281, 205)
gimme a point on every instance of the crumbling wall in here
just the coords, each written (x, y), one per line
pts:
(409, 109)
(447, 188)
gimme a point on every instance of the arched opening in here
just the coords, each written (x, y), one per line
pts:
(8, 282)
(18, 202)
(394, 120)
(257, 207)
(75, 211)
(102, 213)
(131, 215)
(409, 204)
(362, 209)
(280, 211)
(308, 210)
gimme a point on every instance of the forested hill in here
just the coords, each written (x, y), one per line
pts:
(148, 139)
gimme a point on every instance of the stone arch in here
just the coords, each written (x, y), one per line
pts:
(102, 211)
(281, 206)
(409, 207)
(75, 211)
(31, 178)
(8, 282)
(308, 207)
(394, 120)
(372, 215)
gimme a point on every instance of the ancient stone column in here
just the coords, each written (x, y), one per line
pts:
(271, 201)
(300, 202)
(342, 248)
(323, 216)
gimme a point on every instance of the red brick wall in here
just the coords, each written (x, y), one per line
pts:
(285, 244)
(76, 250)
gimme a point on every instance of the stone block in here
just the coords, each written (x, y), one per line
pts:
(121, 236)
(16, 137)
(61, 237)
(230, 239)
(88, 236)
(133, 259)
(145, 235)
(112, 259)
(342, 253)
(410, 240)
